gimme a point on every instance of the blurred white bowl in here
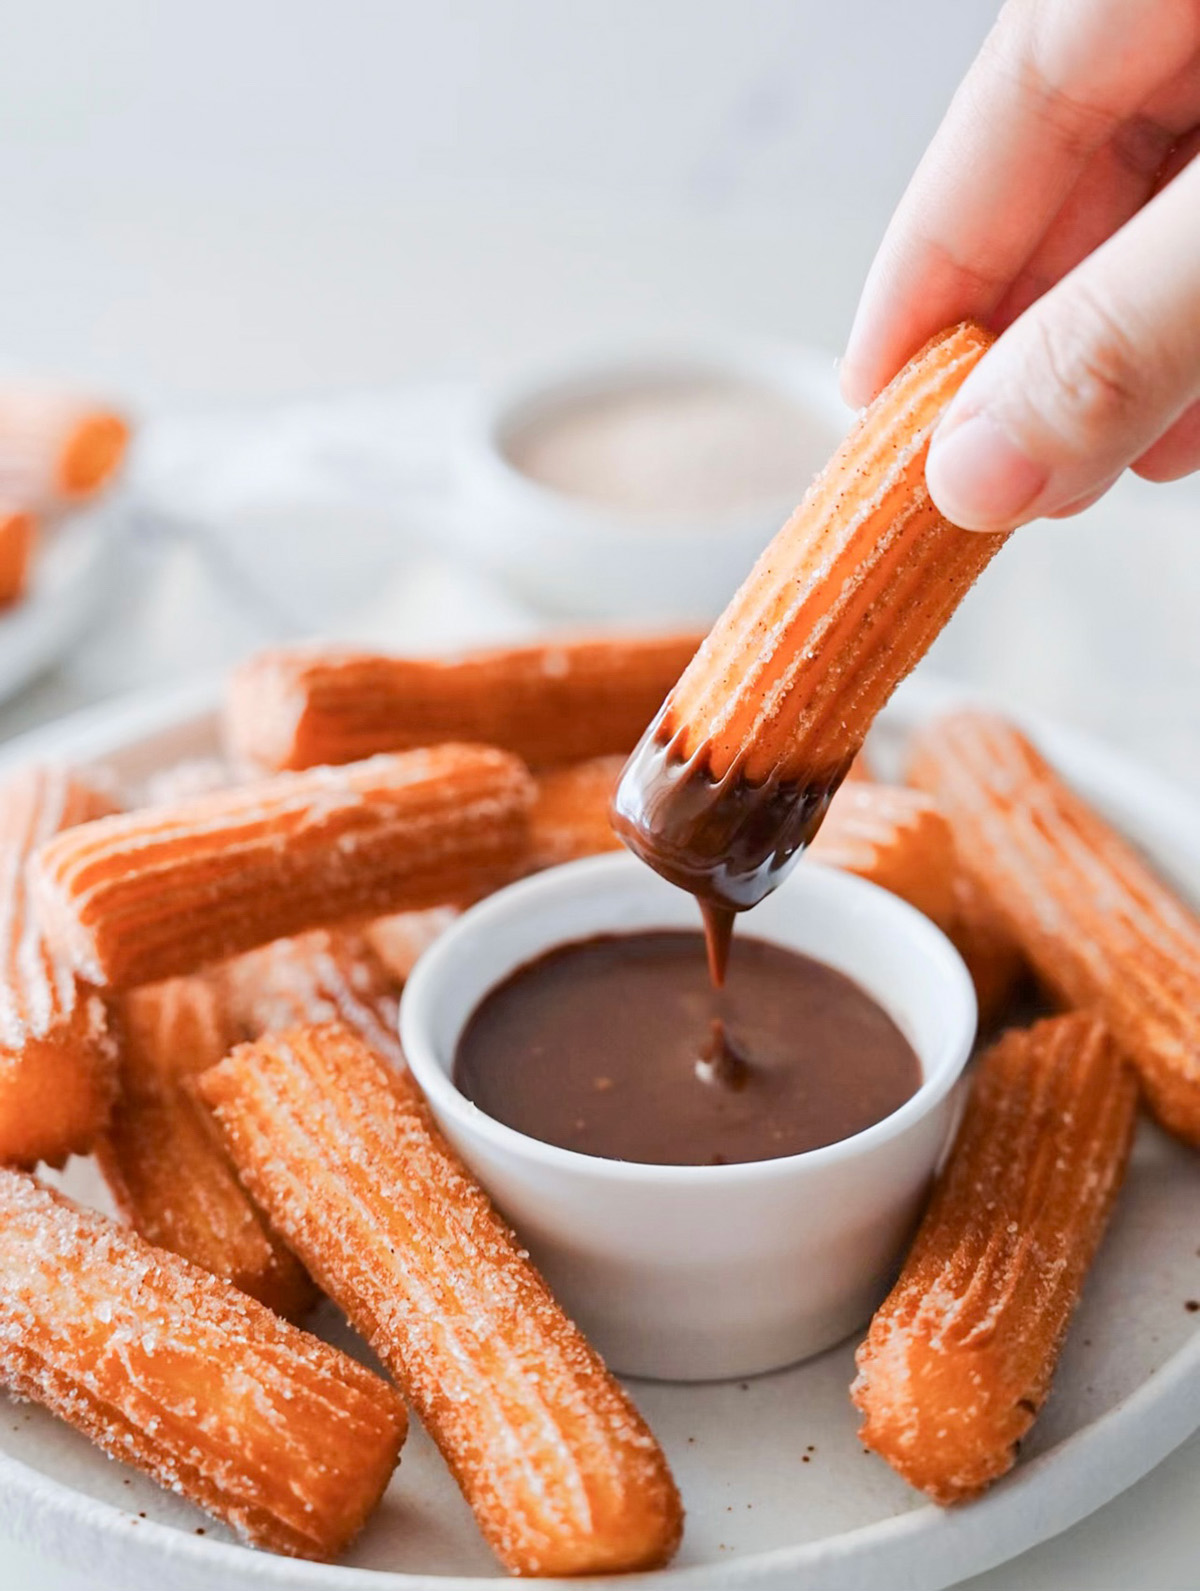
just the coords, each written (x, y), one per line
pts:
(578, 557)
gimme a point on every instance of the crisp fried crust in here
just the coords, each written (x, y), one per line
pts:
(1100, 929)
(181, 1375)
(160, 1158)
(571, 813)
(993, 957)
(57, 1063)
(323, 976)
(166, 890)
(549, 703)
(402, 938)
(895, 837)
(844, 601)
(562, 1473)
(18, 532)
(959, 1357)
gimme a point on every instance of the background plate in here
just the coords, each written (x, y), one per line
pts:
(779, 1491)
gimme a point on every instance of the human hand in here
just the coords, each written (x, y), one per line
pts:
(1058, 203)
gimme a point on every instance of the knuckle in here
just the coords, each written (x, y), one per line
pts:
(1096, 386)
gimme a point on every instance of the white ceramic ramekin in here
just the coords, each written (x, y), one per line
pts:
(700, 1272)
(581, 559)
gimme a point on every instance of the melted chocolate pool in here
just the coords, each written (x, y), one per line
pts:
(621, 1047)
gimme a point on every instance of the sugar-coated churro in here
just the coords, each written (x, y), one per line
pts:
(400, 939)
(1099, 928)
(181, 1375)
(57, 1063)
(549, 703)
(995, 961)
(166, 1172)
(895, 837)
(735, 773)
(562, 1473)
(571, 813)
(163, 891)
(959, 1357)
(322, 976)
(55, 448)
(18, 533)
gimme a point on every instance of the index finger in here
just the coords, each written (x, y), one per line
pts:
(1053, 82)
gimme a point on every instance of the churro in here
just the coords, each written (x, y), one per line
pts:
(57, 1063)
(562, 1473)
(163, 891)
(959, 1357)
(179, 1374)
(322, 976)
(55, 448)
(1099, 928)
(18, 532)
(734, 775)
(166, 1172)
(896, 838)
(400, 939)
(995, 961)
(570, 816)
(549, 703)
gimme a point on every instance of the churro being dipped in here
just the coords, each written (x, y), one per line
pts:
(18, 533)
(1098, 926)
(181, 1375)
(549, 703)
(165, 890)
(562, 1473)
(167, 1174)
(57, 1062)
(896, 838)
(733, 777)
(56, 449)
(959, 1357)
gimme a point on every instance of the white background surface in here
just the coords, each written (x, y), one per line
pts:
(248, 202)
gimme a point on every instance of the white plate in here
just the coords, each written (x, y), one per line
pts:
(73, 571)
(778, 1490)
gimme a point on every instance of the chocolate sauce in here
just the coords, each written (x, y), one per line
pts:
(727, 841)
(621, 1047)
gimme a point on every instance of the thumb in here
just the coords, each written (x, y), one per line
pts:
(1085, 381)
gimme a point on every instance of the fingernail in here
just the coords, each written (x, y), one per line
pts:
(979, 477)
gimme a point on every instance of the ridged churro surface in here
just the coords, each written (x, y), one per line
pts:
(1097, 925)
(165, 890)
(549, 703)
(958, 1359)
(57, 1067)
(167, 1173)
(181, 1375)
(896, 838)
(571, 813)
(562, 1473)
(843, 602)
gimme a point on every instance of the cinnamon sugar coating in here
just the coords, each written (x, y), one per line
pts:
(181, 1375)
(166, 890)
(57, 1064)
(166, 1171)
(562, 1473)
(1098, 926)
(896, 838)
(959, 1357)
(550, 702)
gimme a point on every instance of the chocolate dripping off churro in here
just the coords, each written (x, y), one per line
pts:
(726, 841)
(733, 778)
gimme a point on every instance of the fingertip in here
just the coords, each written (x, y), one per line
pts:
(979, 477)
